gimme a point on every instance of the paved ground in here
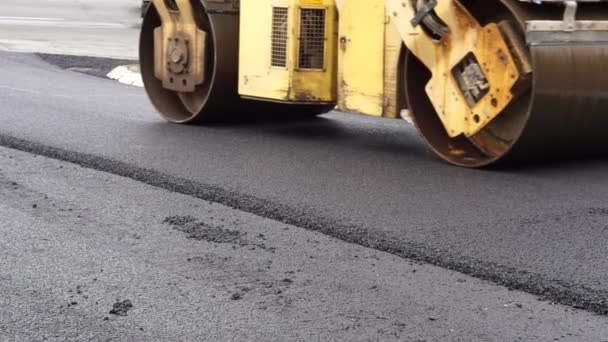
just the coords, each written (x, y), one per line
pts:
(541, 229)
(104, 28)
(341, 184)
(90, 256)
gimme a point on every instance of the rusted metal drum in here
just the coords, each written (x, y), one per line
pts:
(562, 114)
(216, 99)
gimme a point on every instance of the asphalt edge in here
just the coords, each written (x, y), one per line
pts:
(573, 295)
(125, 71)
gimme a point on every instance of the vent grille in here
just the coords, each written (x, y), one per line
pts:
(279, 37)
(312, 39)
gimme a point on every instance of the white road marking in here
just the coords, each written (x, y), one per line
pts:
(29, 18)
(60, 22)
(20, 90)
(64, 96)
(33, 92)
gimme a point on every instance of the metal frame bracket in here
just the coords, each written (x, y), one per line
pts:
(568, 30)
(423, 12)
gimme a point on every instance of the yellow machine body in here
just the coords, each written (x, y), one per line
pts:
(465, 38)
(361, 53)
(179, 50)
(482, 81)
(369, 35)
(288, 51)
(369, 51)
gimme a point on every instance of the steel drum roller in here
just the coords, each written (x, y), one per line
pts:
(217, 98)
(562, 113)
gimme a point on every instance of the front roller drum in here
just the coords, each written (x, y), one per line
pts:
(561, 114)
(216, 97)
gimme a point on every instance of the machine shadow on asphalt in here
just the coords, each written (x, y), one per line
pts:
(398, 141)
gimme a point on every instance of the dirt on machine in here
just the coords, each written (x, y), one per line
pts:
(484, 81)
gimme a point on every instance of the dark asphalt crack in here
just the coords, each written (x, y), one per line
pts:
(570, 294)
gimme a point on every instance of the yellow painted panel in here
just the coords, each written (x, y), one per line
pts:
(394, 98)
(259, 77)
(256, 76)
(361, 56)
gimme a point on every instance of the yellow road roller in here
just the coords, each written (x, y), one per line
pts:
(484, 81)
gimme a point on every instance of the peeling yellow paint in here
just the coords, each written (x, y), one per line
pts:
(361, 57)
(259, 79)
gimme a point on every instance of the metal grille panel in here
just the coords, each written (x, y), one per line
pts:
(312, 39)
(279, 37)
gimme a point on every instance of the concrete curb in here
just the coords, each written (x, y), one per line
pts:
(405, 115)
(127, 74)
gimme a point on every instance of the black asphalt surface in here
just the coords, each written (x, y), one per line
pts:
(91, 256)
(538, 228)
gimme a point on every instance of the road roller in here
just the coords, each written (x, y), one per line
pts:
(483, 81)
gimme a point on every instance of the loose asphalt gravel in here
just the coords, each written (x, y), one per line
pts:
(538, 228)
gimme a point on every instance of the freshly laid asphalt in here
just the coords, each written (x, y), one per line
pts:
(536, 228)
(91, 256)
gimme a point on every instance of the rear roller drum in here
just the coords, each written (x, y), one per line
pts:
(558, 112)
(214, 98)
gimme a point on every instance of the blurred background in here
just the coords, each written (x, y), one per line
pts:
(101, 28)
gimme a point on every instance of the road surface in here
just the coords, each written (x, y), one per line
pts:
(103, 28)
(368, 181)
(91, 256)
(339, 228)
